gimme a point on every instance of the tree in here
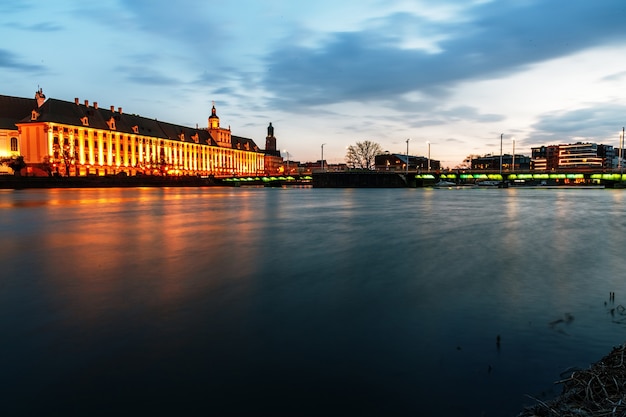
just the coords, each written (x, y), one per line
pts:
(16, 163)
(362, 154)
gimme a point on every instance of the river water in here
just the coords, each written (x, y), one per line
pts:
(304, 302)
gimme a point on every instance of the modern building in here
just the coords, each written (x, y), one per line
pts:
(545, 158)
(580, 156)
(79, 139)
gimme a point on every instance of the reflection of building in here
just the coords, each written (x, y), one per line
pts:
(82, 139)
(397, 162)
(492, 163)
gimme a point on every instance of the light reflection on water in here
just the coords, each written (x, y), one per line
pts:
(303, 301)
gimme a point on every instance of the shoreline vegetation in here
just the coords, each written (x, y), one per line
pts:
(597, 391)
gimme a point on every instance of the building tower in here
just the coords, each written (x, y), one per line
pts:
(270, 139)
(221, 136)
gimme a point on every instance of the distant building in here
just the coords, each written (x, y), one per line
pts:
(574, 157)
(78, 139)
(579, 156)
(545, 158)
(317, 166)
(505, 162)
(398, 162)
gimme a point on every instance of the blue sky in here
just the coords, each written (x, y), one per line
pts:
(455, 73)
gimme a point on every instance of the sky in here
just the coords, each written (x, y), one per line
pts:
(456, 77)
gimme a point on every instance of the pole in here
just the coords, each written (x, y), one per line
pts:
(513, 164)
(428, 156)
(621, 146)
(407, 156)
(323, 156)
(621, 153)
(501, 134)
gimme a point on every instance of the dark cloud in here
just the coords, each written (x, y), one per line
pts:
(10, 61)
(44, 27)
(146, 75)
(595, 123)
(495, 39)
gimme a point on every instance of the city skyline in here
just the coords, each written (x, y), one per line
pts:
(452, 76)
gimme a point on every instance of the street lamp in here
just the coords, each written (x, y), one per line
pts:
(621, 146)
(285, 151)
(501, 134)
(323, 156)
(407, 156)
(513, 162)
(428, 155)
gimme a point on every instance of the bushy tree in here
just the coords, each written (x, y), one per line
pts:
(16, 163)
(362, 154)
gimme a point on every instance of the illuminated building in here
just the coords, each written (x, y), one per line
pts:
(509, 162)
(79, 139)
(12, 109)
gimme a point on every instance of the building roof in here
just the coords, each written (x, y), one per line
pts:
(13, 109)
(74, 114)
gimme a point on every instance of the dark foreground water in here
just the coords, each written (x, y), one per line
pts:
(303, 302)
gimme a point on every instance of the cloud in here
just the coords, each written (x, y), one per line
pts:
(146, 75)
(494, 40)
(10, 61)
(595, 123)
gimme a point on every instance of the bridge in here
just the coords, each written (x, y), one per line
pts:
(398, 179)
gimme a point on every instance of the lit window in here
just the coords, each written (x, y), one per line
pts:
(13, 144)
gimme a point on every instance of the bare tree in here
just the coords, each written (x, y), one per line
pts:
(362, 154)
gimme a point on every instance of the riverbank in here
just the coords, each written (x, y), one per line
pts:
(597, 391)
(12, 182)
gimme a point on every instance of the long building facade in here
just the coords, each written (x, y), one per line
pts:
(81, 139)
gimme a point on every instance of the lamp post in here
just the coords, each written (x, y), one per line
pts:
(621, 146)
(513, 162)
(501, 134)
(287, 160)
(428, 155)
(407, 156)
(323, 156)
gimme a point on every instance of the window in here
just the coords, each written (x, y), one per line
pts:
(14, 144)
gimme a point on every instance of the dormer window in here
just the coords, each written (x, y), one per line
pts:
(111, 123)
(85, 121)
(135, 129)
(196, 138)
(34, 115)
(181, 137)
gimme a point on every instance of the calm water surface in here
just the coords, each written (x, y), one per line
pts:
(303, 302)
